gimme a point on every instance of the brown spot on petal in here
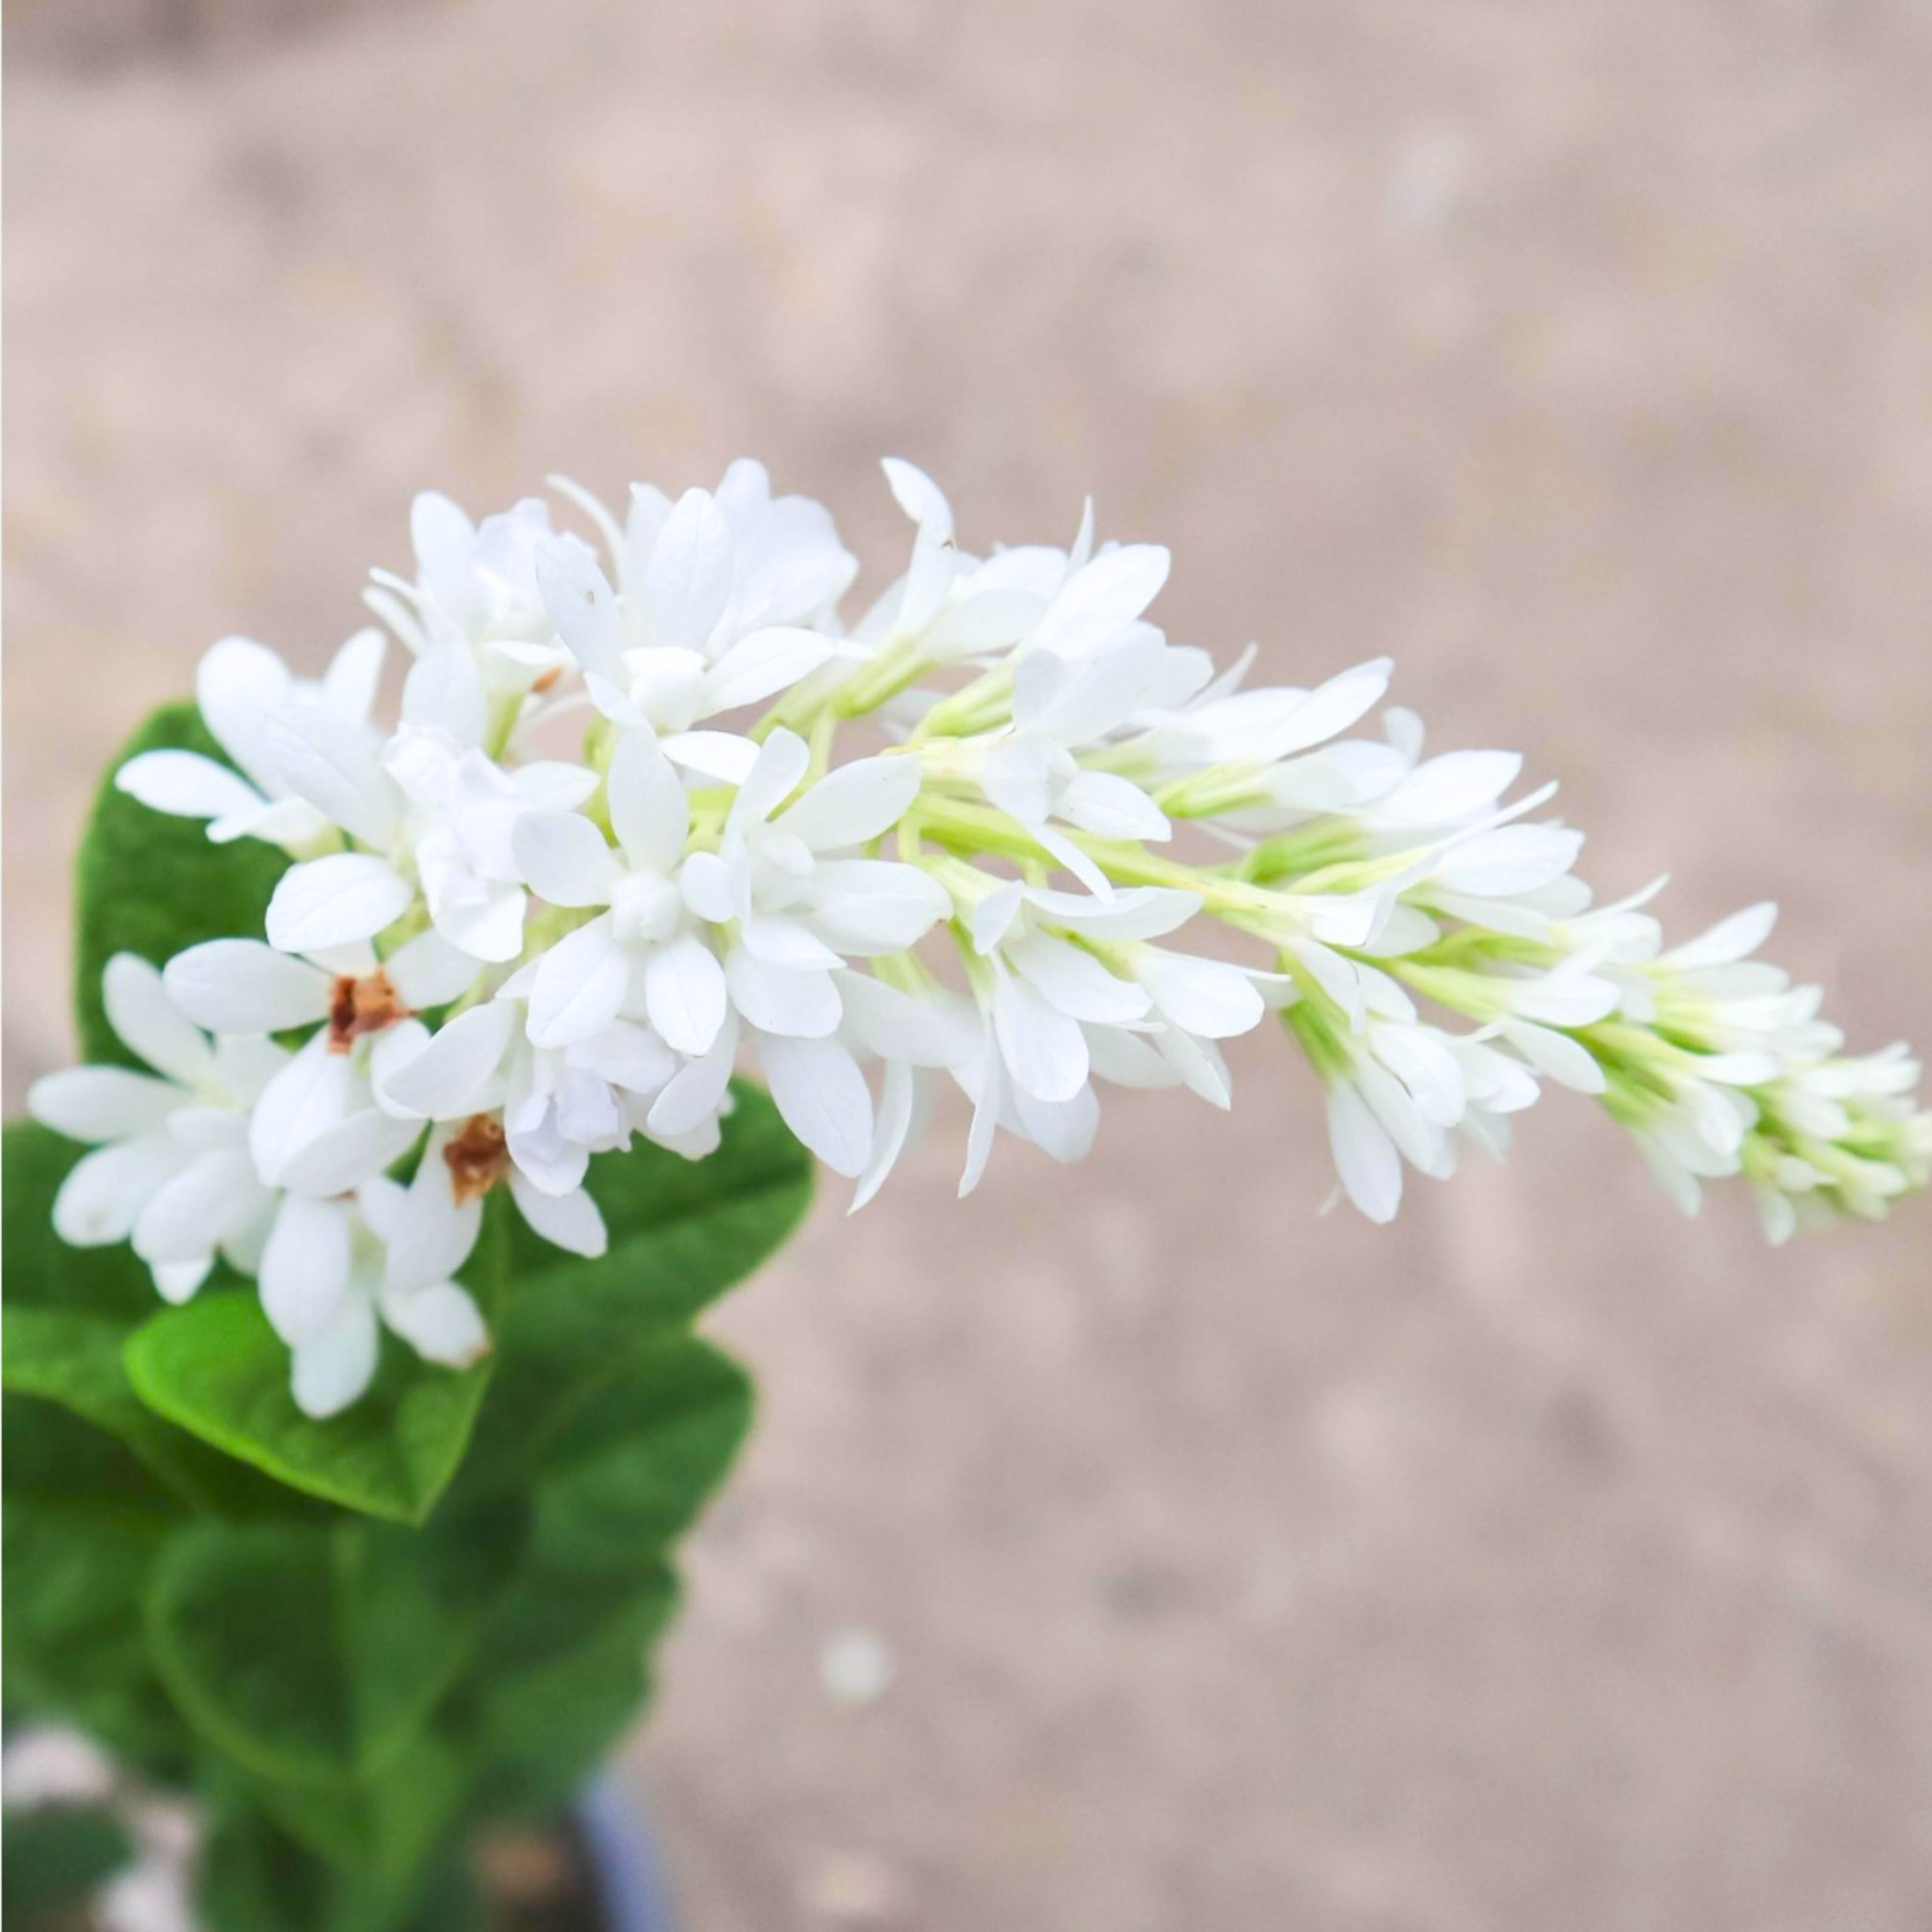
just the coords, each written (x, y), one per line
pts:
(477, 1158)
(359, 1006)
(549, 678)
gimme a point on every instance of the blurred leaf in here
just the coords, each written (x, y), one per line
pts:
(74, 1644)
(149, 883)
(55, 1859)
(311, 1655)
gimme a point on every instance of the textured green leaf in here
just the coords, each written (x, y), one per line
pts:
(682, 1231)
(563, 1666)
(151, 884)
(310, 1655)
(216, 1368)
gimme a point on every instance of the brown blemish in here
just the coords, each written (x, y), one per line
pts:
(549, 678)
(477, 1158)
(360, 1007)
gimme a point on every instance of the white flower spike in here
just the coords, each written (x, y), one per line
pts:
(488, 966)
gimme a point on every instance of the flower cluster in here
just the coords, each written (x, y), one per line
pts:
(610, 847)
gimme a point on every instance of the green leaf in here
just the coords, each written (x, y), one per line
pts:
(563, 1665)
(67, 1316)
(151, 884)
(74, 1646)
(310, 1655)
(682, 1231)
(217, 1368)
(54, 1857)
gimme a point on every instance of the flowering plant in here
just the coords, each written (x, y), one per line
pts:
(412, 1094)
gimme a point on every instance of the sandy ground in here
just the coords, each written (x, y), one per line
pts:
(1542, 1562)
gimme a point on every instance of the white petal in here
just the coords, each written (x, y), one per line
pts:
(1018, 779)
(763, 664)
(444, 694)
(1097, 601)
(177, 1281)
(570, 1221)
(695, 1094)
(782, 761)
(487, 923)
(867, 908)
(688, 582)
(101, 1103)
(723, 758)
(817, 1086)
(149, 1023)
(1456, 786)
(582, 605)
(329, 901)
(1142, 912)
(1064, 1129)
(784, 942)
(342, 1156)
(1045, 1051)
(305, 1267)
(1730, 940)
(335, 1365)
(554, 785)
(189, 1216)
(580, 986)
(898, 1096)
(1556, 1056)
(99, 1200)
(917, 493)
(1075, 982)
(800, 1003)
(456, 1075)
(627, 1055)
(649, 810)
(429, 971)
(1329, 709)
(241, 986)
(431, 1234)
(564, 858)
(292, 823)
(1207, 997)
(186, 785)
(441, 1322)
(237, 685)
(856, 803)
(1111, 807)
(1512, 858)
(338, 767)
(685, 994)
(349, 684)
(1365, 1156)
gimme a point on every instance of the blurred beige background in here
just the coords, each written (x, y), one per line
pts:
(1544, 1562)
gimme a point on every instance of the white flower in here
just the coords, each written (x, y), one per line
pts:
(238, 686)
(1062, 705)
(645, 956)
(331, 1268)
(688, 639)
(434, 812)
(476, 587)
(792, 909)
(171, 1167)
(1046, 987)
(559, 1105)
